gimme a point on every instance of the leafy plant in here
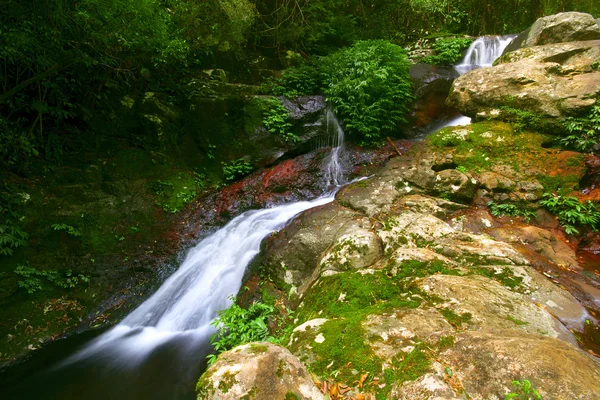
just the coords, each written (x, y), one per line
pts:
(236, 169)
(237, 325)
(596, 65)
(12, 235)
(522, 119)
(295, 81)
(571, 212)
(276, 120)
(33, 278)
(510, 210)
(523, 391)
(584, 132)
(67, 228)
(448, 51)
(369, 87)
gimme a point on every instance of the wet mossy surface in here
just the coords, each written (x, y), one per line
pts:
(346, 299)
(484, 145)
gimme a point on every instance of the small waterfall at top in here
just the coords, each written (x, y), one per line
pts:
(483, 52)
(335, 172)
(159, 349)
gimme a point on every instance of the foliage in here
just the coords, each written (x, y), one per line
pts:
(369, 87)
(584, 132)
(67, 228)
(596, 65)
(236, 326)
(276, 119)
(33, 278)
(295, 81)
(510, 210)
(523, 391)
(236, 169)
(571, 212)
(175, 193)
(448, 51)
(12, 235)
(212, 26)
(525, 120)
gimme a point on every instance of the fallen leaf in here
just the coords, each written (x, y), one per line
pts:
(362, 380)
(334, 391)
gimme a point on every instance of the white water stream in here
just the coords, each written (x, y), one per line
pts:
(483, 52)
(183, 308)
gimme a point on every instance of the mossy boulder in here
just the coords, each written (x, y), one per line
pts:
(257, 371)
(551, 81)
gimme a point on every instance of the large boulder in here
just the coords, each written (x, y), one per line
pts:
(257, 371)
(552, 81)
(558, 28)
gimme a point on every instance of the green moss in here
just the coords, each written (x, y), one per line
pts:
(446, 342)
(516, 321)
(280, 368)
(291, 396)
(506, 277)
(227, 381)
(456, 320)
(257, 348)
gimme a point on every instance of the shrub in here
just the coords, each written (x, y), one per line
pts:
(369, 87)
(523, 391)
(448, 51)
(296, 81)
(571, 212)
(237, 326)
(584, 132)
(510, 210)
(276, 119)
(32, 278)
(236, 169)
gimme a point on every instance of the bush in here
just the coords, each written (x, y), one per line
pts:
(236, 169)
(237, 326)
(296, 81)
(369, 87)
(583, 132)
(571, 212)
(448, 51)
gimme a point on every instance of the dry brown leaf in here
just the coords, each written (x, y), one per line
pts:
(334, 391)
(360, 396)
(362, 380)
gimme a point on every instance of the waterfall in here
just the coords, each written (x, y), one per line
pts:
(334, 172)
(483, 52)
(160, 347)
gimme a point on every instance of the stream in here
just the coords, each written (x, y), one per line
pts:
(158, 351)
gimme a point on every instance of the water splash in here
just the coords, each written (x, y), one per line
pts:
(483, 52)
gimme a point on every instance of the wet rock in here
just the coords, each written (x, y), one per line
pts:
(558, 28)
(292, 255)
(492, 306)
(551, 80)
(431, 85)
(455, 184)
(542, 242)
(257, 370)
(486, 362)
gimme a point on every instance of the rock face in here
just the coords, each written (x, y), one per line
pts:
(546, 70)
(551, 81)
(257, 371)
(559, 28)
(401, 289)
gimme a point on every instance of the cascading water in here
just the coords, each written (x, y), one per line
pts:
(335, 171)
(159, 349)
(483, 52)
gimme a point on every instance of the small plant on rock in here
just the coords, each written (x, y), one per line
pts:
(523, 391)
(276, 120)
(571, 212)
(236, 169)
(509, 210)
(236, 326)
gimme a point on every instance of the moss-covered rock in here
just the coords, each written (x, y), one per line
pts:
(257, 371)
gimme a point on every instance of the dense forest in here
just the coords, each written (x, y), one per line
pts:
(62, 59)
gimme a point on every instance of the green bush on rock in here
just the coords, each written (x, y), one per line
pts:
(571, 212)
(369, 87)
(237, 326)
(447, 51)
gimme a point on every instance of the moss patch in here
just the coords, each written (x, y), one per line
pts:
(481, 146)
